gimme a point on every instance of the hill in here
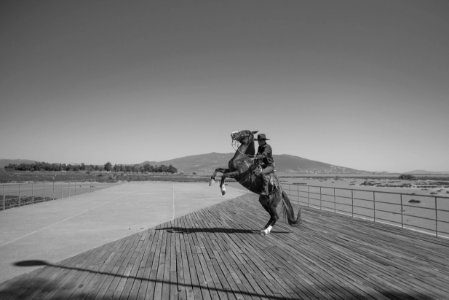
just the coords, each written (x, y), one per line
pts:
(205, 164)
(289, 164)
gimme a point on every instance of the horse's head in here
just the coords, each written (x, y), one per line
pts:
(244, 137)
(246, 140)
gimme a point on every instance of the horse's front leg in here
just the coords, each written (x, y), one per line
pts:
(223, 178)
(218, 170)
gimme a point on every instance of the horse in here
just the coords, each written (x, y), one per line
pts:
(244, 168)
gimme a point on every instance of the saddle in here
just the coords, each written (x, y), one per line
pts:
(273, 181)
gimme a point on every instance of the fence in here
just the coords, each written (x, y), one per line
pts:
(19, 194)
(425, 213)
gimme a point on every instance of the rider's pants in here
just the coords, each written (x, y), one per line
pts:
(265, 171)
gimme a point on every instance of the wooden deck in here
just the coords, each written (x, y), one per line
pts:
(218, 253)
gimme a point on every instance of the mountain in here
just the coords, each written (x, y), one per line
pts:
(200, 164)
(289, 164)
(5, 162)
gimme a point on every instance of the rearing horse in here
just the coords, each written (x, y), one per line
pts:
(242, 168)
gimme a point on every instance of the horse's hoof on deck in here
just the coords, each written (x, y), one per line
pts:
(266, 230)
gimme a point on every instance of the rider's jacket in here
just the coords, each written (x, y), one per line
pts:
(265, 154)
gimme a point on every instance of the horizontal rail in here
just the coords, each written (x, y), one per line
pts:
(26, 193)
(427, 213)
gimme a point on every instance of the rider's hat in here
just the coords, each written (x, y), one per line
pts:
(261, 137)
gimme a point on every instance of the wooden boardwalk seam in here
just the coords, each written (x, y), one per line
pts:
(218, 253)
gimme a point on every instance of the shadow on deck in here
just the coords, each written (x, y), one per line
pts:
(218, 253)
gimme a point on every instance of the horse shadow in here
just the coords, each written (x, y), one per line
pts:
(185, 230)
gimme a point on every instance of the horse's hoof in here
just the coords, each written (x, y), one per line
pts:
(223, 190)
(266, 231)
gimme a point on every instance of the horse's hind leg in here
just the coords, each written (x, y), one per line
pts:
(270, 207)
(273, 208)
(274, 217)
(264, 204)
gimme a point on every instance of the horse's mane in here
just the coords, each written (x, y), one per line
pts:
(251, 149)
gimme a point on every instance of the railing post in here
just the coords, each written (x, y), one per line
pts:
(53, 193)
(298, 194)
(436, 217)
(374, 200)
(320, 199)
(308, 196)
(402, 213)
(335, 202)
(32, 192)
(68, 184)
(352, 203)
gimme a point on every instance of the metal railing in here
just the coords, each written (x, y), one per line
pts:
(25, 193)
(424, 213)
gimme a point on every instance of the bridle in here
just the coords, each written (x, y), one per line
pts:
(236, 148)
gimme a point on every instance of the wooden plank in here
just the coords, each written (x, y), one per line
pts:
(87, 283)
(148, 239)
(200, 262)
(133, 267)
(181, 289)
(152, 272)
(190, 264)
(110, 285)
(219, 279)
(158, 266)
(145, 265)
(75, 274)
(172, 277)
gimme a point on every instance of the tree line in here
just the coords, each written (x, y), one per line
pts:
(136, 168)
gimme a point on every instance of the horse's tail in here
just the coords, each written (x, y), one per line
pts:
(288, 212)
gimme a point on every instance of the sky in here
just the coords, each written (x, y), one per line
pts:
(359, 84)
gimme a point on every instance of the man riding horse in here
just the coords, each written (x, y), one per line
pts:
(250, 170)
(264, 158)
